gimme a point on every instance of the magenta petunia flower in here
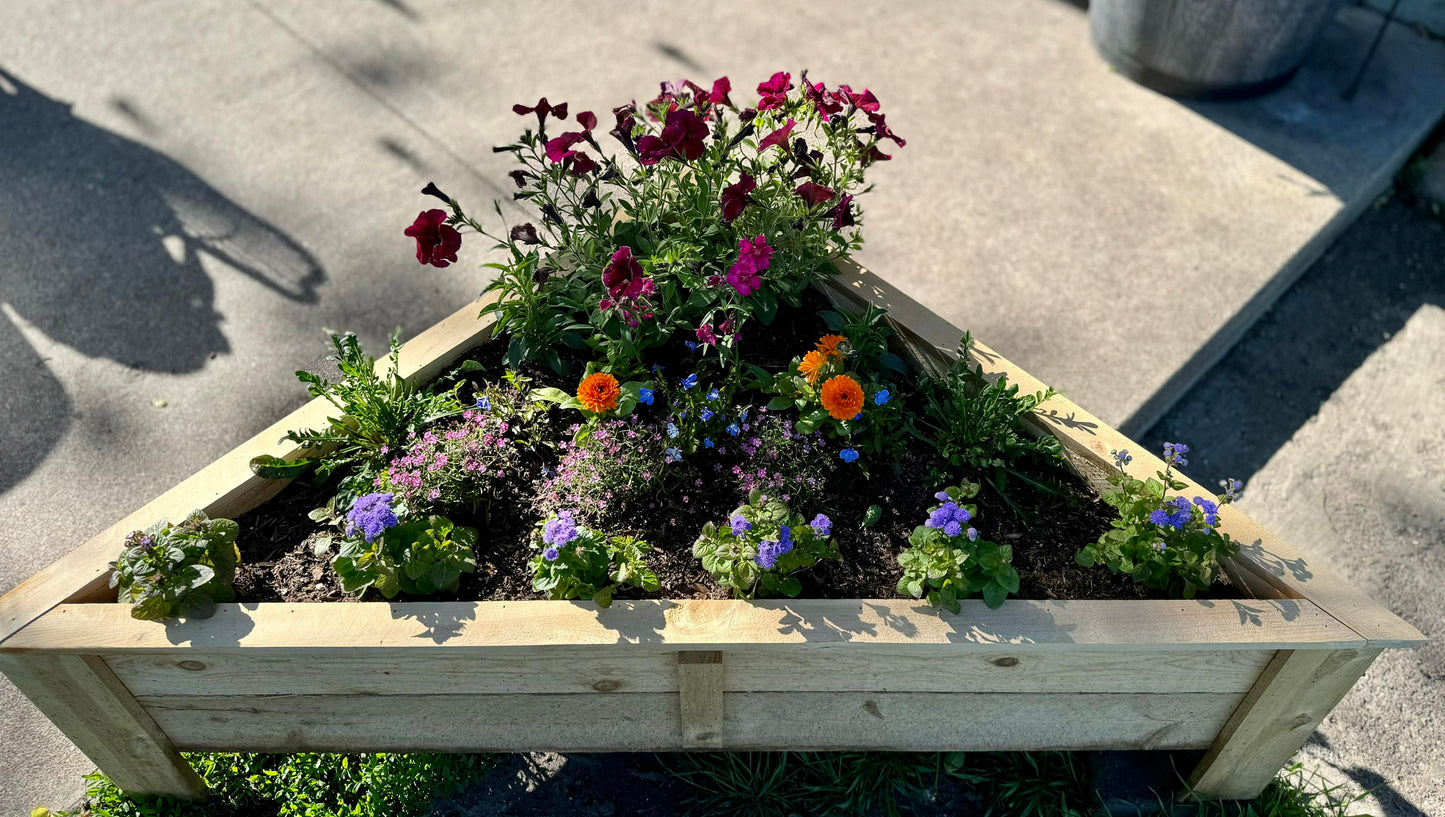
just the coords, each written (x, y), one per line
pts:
(778, 138)
(560, 147)
(436, 241)
(744, 279)
(864, 101)
(881, 129)
(825, 103)
(755, 252)
(815, 194)
(705, 334)
(774, 91)
(735, 197)
(681, 139)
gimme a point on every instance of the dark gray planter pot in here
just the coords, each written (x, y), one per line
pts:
(1208, 48)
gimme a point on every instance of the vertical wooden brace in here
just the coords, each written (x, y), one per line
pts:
(93, 708)
(1292, 696)
(700, 690)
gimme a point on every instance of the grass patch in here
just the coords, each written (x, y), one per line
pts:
(301, 785)
(748, 784)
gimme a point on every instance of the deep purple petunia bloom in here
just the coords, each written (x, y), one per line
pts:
(815, 194)
(624, 278)
(436, 241)
(735, 197)
(842, 212)
(682, 139)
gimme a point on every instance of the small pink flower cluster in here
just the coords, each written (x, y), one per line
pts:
(607, 469)
(779, 461)
(463, 462)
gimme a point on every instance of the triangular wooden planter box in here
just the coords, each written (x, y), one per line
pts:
(1246, 680)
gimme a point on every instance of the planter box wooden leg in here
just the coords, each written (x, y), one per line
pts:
(700, 695)
(81, 696)
(1295, 692)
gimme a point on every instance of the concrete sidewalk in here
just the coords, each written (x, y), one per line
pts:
(189, 191)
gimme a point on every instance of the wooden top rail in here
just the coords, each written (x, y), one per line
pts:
(226, 487)
(523, 626)
(1263, 556)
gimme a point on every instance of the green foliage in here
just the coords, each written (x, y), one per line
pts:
(418, 557)
(378, 411)
(1295, 792)
(592, 566)
(1179, 557)
(181, 570)
(735, 553)
(301, 785)
(951, 567)
(978, 420)
(668, 213)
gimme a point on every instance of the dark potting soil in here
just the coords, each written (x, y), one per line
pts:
(286, 556)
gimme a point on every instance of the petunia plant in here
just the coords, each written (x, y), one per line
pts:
(1169, 543)
(763, 545)
(698, 216)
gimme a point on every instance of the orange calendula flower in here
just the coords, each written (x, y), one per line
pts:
(842, 397)
(828, 345)
(813, 363)
(599, 392)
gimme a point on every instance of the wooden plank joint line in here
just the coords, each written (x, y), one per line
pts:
(700, 698)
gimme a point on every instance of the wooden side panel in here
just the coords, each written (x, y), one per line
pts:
(703, 624)
(1266, 564)
(226, 487)
(700, 693)
(1292, 697)
(625, 670)
(81, 696)
(649, 722)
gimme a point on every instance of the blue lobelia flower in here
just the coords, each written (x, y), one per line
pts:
(713, 395)
(691, 346)
(848, 455)
(733, 430)
(689, 381)
(972, 534)
(672, 431)
(705, 414)
(707, 442)
(645, 396)
(881, 398)
(483, 403)
(672, 455)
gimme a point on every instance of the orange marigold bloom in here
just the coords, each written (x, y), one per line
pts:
(828, 345)
(599, 392)
(842, 397)
(813, 363)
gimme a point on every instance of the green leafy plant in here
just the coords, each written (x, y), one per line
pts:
(180, 570)
(576, 562)
(1165, 542)
(378, 410)
(978, 421)
(418, 557)
(948, 560)
(762, 546)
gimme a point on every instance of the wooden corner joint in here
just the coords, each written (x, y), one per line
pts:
(700, 698)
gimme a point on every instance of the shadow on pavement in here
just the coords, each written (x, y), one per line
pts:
(1351, 302)
(102, 240)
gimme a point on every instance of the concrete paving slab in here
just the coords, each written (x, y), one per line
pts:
(189, 190)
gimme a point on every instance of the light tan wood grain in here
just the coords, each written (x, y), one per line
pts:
(1293, 695)
(81, 696)
(523, 626)
(700, 686)
(641, 668)
(648, 722)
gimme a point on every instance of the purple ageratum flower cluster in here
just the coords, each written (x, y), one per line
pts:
(1174, 454)
(371, 515)
(740, 525)
(557, 533)
(769, 550)
(1177, 518)
(1232, 488)
(1122, 457)
(822, 525)
(948, 517)
(1210, 509)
